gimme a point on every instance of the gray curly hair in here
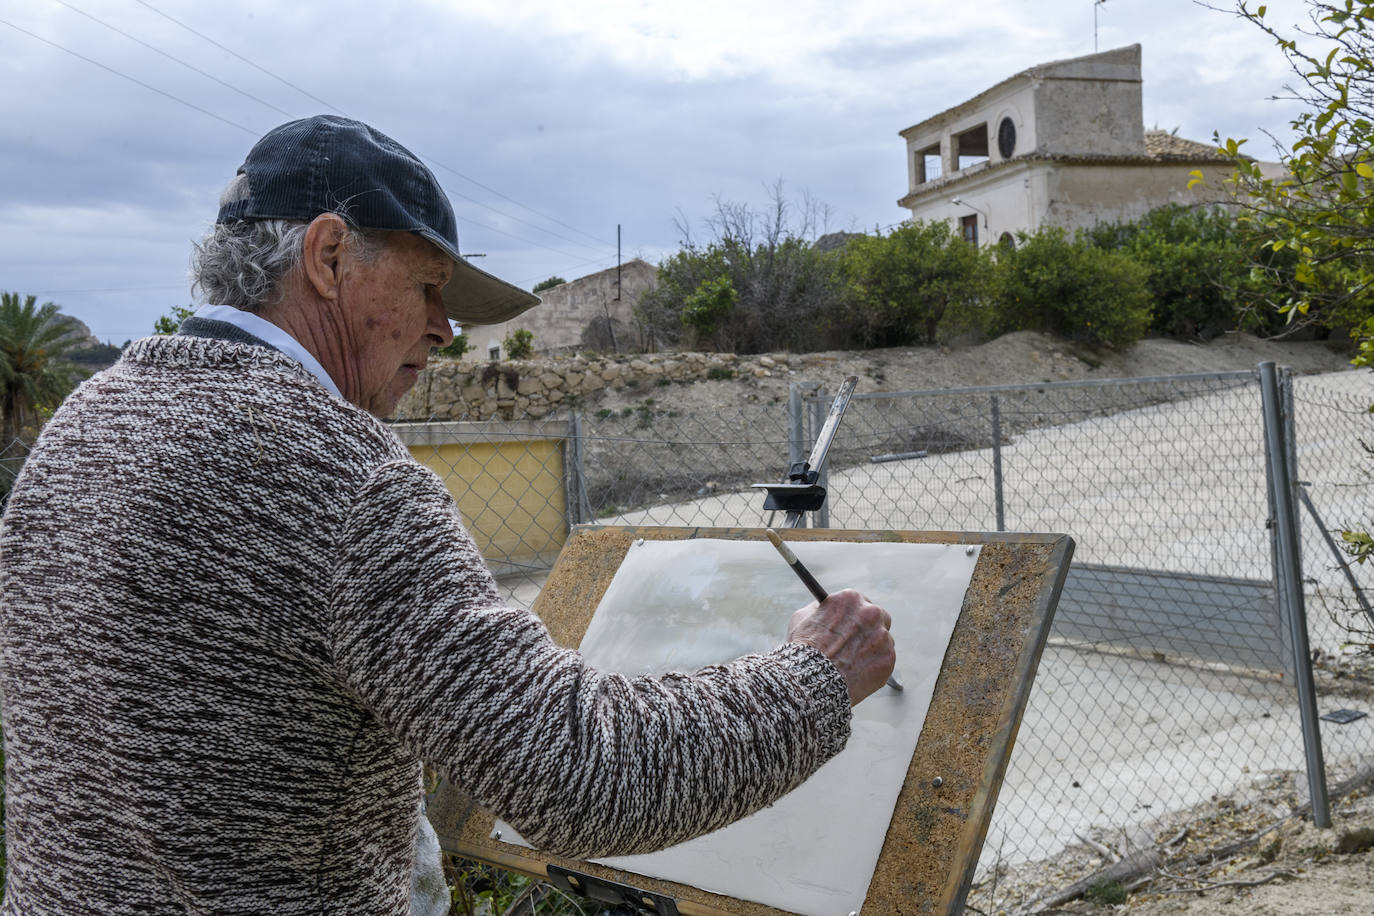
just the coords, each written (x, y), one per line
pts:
(242, 263)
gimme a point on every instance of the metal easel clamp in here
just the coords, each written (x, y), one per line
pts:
(624, 900)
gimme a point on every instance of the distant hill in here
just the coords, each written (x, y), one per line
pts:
(89, 353)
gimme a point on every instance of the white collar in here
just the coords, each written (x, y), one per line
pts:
(273, 336)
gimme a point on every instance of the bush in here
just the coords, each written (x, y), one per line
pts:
(519, 344)
(455, 350)
(550, 283)
(1199, 262)
(757, 286)
(911, 286)
(1069, 288)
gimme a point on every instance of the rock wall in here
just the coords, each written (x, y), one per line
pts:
(530, 389)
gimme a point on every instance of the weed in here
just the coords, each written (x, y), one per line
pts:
(1108, 892)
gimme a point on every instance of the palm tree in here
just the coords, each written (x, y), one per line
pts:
(33, 373)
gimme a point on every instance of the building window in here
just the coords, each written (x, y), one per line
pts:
(928, 164)
(1007, 241)
(1006, 138)
(968, 225)
(971, 147)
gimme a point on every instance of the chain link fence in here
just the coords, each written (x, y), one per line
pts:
(1169, 679)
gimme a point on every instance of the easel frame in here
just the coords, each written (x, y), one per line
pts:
(942, 814)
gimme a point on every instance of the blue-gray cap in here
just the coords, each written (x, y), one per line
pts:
(329, 164)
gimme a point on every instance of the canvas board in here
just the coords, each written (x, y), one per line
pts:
(682, 604)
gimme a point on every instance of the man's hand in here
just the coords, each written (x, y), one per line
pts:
(853, 633)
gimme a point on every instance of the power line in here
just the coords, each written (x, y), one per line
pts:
(255, 133)
(178, 60)
(239, 56)
(442, 165)
(192, 105)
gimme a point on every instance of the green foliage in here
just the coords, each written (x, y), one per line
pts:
(707, 307)
(170, 324)
(457, 348)
(757, 285)
(1198, 262)
(1070, 288)
(911, 285)
(550, 283)
(519, 344)
(1321, 212)
(35, 374)
(1110, 893)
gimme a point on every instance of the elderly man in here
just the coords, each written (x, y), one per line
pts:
(237, 614)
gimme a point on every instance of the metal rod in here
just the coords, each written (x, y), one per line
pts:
(1341, 559)
(997, 464)
(821, 517)
(832, 423)
(1285, 529)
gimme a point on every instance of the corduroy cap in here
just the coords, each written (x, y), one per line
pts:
(329, 164)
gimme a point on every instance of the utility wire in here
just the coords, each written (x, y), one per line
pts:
(178, 60)
(239, 56)
(247, 130)
(442, 165)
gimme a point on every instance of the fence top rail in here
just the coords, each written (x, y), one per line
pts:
(451, 432)
(1229, 375)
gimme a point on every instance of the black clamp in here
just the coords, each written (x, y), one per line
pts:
(624, 900)
(800, 493)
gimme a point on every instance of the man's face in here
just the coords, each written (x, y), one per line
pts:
(393, 314)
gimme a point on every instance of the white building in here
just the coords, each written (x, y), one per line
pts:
(1061, 144)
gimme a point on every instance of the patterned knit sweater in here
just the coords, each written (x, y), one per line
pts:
(236, 614)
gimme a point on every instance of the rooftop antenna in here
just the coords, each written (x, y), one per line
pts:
(1096, 4)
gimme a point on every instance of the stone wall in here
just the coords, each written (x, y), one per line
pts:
(524, 389)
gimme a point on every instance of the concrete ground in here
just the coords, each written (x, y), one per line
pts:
(1113, 742)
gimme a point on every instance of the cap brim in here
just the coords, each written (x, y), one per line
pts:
(475, 297)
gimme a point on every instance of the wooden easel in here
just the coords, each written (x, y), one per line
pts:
(942, 814)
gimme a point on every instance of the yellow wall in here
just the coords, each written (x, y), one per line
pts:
(510, 494)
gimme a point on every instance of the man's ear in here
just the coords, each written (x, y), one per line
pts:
(326, 244)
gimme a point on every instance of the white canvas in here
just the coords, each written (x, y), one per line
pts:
(679, 605)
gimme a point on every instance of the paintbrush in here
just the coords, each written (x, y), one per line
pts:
(816, 589)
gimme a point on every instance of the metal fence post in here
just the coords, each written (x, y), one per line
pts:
(997, 463)
(819, 410)
(574, 474)
(796, 430)
(1291, 598)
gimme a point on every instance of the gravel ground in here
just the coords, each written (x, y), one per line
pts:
(1295, 868)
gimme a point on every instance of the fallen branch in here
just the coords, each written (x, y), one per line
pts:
(1131, 866)
(1135, 869)
(1213, 885)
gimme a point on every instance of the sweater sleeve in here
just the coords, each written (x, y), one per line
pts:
(582, 762)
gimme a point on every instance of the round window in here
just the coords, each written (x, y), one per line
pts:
(1006, 138)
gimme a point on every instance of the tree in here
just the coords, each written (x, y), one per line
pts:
(909, 286)
(785, 294)
(1070, 288)
(519, 344)
(34, 374)
(170, 324)
(550, 283)
(1322, 210)
(455, 350)
(1198, 261)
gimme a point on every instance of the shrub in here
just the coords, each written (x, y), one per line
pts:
(550, 283)
(455, 350)
(708, 305)
(1069, 288)
(1198, 262)
(911, 286)
(519, 344)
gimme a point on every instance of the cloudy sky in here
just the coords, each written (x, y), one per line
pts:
(549, 122)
